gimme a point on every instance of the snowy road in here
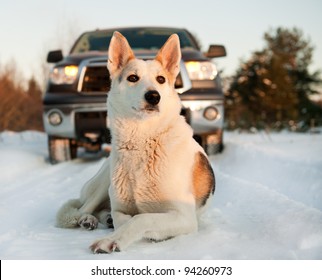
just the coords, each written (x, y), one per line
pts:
(267, 205)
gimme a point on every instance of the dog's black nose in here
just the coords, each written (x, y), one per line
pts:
(152, 97)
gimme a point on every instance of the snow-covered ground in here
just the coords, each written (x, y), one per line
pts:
(267, 205)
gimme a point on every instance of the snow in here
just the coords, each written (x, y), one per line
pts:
(267, 205)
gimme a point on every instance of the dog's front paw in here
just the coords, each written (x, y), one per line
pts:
(88, 221)
(105, 246)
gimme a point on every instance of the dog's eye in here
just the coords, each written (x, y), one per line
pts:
(161, 79)
(133, 78)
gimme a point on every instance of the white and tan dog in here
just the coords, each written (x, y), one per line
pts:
(157, 178)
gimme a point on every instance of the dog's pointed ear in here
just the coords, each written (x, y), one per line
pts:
(119, 53)
(170, 55)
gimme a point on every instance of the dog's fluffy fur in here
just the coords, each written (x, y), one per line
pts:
(157, 178)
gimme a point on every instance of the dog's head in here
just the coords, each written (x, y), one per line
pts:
(143, 89)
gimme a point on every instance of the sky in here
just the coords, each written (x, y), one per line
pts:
(29, 29)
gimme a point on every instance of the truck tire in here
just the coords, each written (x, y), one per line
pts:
(212, 146)
(216, 146)
(212, 149)
(61, 149)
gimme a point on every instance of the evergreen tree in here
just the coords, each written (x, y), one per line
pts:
(271, 89)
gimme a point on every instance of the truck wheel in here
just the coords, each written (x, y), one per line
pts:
(216, 145)
(61, 149)
(212, 149)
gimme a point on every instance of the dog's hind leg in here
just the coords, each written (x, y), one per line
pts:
(94, 198)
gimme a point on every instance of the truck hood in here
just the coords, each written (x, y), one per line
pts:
(75, 59)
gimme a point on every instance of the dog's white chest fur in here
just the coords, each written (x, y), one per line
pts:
(139, 173)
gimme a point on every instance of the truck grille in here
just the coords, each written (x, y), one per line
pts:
(97, 79)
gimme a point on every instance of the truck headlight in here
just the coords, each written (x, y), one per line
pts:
(201, 70)
(63, 74)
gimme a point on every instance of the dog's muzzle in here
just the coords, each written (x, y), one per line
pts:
(152, 97)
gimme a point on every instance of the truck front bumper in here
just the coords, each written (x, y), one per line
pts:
(86, 122)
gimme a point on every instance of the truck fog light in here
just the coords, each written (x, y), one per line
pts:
(55, 118)
(210, 113)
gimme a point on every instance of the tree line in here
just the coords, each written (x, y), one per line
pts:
(20, 101)
(270, 90)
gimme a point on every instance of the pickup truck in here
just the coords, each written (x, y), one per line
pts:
(75, 113)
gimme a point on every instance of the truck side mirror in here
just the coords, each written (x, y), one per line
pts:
(216, 51)
(55, 56)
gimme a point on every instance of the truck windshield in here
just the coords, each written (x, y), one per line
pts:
(138, 38)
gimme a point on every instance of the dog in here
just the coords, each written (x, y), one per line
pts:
(157, 178)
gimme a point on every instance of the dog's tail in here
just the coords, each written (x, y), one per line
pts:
(69, 214)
